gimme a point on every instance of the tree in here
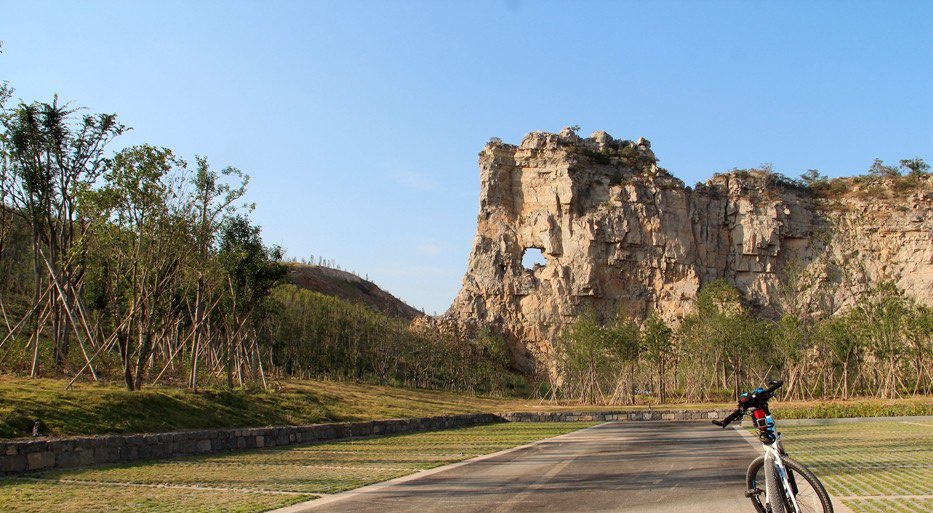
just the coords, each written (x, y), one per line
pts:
(146, 247)
(919, 337)
(52, 159)
(656, 346)
(722, 335)
(880, 318)
(836, 337)
(592, 355)
(915, 167)
(213, 201)
(251, 270)
(625, 345)
(813, 179)
(879, 170)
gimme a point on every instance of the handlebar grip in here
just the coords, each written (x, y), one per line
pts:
(775, 385)
(728, 420)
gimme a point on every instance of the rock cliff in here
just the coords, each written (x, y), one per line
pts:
(621, 235)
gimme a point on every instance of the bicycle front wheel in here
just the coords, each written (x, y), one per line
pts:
(811, 496)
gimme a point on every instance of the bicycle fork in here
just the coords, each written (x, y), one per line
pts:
(773, 457)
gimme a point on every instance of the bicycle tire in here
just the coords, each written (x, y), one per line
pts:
(776, 500)
(755, 475)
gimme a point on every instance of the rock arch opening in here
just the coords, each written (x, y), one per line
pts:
(532, 257)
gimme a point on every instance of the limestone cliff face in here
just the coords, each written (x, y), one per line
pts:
(621, 235)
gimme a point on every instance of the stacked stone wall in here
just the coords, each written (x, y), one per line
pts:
(18, 456)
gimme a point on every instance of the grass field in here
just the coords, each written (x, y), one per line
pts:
(90, 408)
(260, 480)
(108, 408)
(873, 467)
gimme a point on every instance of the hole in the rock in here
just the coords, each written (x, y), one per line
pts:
(532, 257)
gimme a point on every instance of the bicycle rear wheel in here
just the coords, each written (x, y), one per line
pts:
(811, 496)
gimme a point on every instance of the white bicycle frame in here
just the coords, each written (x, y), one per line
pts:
(773, 457)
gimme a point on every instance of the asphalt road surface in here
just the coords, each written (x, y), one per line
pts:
(647, 467)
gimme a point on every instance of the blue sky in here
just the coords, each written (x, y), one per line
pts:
(360, 122)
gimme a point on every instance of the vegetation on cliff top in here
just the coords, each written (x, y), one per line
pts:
(880, 181)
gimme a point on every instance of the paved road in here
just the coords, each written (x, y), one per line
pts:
(646, 467)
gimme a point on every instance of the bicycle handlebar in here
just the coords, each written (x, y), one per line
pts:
(731, 418)
(774, 385)
(755, 399)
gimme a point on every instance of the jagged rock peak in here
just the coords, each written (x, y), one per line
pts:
(568, 137)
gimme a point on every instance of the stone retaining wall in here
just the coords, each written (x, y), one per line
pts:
(605, 416)
(19, 456)
(28, 455)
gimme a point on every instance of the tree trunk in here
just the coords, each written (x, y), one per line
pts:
(37, 275)
(123, 343)
(196, 344)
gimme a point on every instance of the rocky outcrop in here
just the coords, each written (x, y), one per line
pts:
(621, 235)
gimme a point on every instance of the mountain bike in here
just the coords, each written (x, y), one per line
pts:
(784, 490)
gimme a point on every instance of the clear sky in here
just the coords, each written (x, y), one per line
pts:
(360, 122)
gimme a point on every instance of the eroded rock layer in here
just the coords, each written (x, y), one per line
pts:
(622, 236)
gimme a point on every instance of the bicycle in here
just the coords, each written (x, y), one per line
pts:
(783, 492)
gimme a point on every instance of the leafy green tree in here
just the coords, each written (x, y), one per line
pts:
(592, 355)
(252, 270)
(915, 167)
(146, 246)
(723, 335)
(813, 179)
(625, 345)
(879, 319)
(214, 200)
(582, 356)
(919, 341)
(657, 347)
(836, 337)
(52, 159)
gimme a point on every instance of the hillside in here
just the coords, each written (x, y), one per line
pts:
(349, 287)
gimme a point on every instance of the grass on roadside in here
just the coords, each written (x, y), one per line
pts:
(261, 479)
(34, 495)
(97, 408)
(108, 408)
(874, 467)
(917, 406)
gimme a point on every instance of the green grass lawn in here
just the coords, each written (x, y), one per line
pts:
(260, 480)
(873, 467)
(91, 408)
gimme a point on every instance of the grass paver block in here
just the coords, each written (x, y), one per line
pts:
(874, 467)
